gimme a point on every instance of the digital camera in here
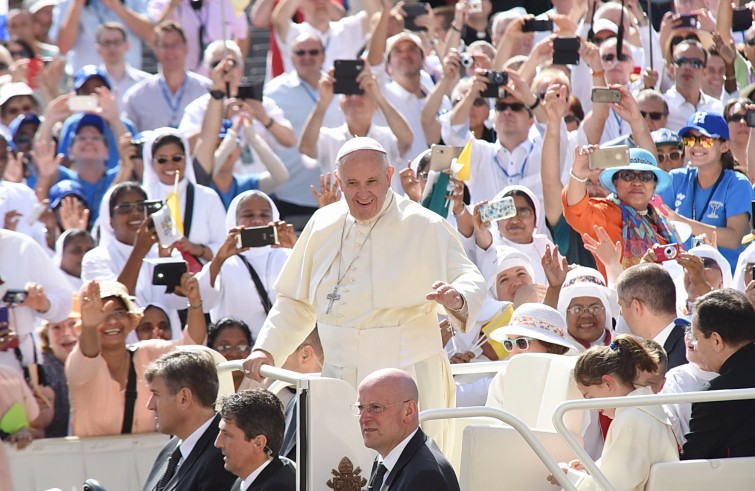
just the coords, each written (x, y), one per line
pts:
(467, 60)
(667, 252)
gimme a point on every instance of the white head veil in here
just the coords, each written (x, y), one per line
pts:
(106, 232)
(151, 181)
(230, 216)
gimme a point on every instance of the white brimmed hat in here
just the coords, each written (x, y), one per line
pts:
(536, 321)
(359, 143)
(110, 289)
(404, 36)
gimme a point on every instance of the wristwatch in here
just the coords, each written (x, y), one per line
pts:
(217, 94)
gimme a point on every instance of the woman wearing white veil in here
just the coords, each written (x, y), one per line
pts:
(227, 284)
(165, 154)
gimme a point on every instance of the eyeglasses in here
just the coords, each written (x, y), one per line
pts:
(522, 343)
(514, 106)
(227, 348)
(608, 58)
(703, 141)
(678, 39)
(423, 175)
(750, 42)
(629, 176)
(672, 155)
(310, 52)
(690, 336)
(523, 212)
(572, 119)
(578, 310)
(112, 42)
(373, 409)
(655, 116)
(176, 159)
(118, 314)
(693, 62)
(736, 118)
(123, 208)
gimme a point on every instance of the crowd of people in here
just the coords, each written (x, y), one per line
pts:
(617, 141)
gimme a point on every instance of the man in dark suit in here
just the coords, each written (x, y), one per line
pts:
(184, 387)
(389, 418)
(250, 437)
(723, 333)
(647, 297)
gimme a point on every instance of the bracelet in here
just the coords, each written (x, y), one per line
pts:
(535, 104)
(455, 28)
(463, 209)
(598, 73)
(190, 306)
(268, 125)
(578, 179)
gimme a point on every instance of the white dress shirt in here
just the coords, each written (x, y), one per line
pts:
(680, 110)
(246, 483)
(390, 460)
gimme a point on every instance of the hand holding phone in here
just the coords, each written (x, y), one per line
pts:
(257, 236)
(412, 11)
(605, 158)
(537, 25)
(566, 51)
(501, 209)
(82, 103)
(345, 73)
(605, 95)
(15, 297)
(168, 273)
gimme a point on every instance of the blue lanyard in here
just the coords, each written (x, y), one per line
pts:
(695, 185)
(619, 121)
(174, 108)
(521, 170)
(308, 91)
(96, 10)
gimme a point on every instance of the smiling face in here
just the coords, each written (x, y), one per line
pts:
(519, 229)
(713, 76)
(586, 327)
(63, 338)
(699, 156)
(118, 323)
(738, 129)
(509, 281)
(126, 219)
(635, 193)
(364, 179)
(89, 145)
(167, 160)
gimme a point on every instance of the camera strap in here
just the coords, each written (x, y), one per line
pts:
(266, 303)
(130, 400)
(188, 209)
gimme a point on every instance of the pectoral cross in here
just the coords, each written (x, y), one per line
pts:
(332, 297)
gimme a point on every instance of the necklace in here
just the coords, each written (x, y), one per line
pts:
(334, 295)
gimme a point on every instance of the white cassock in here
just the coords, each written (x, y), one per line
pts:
(381, 318)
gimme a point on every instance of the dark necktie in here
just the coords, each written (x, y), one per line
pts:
(377, 478)
(170, 470)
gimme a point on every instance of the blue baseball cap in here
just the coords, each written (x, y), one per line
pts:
(87, 72)
(15, 125)
(709, 124)
(665, 136)
(88, 119)
(639, 160)
(63, 189)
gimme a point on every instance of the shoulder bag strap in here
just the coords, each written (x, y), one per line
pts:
(266, 304)
(130, 401)
(189, 209)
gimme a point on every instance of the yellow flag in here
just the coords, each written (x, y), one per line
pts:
(465, 161)
(174, 206)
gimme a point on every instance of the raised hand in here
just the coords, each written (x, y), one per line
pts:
(410, 183)
(73, 214)
(92, 307)
(286, 234)
(329, 193)
(446, 295)
(555, 267)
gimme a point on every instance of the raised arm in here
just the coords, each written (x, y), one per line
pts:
(396, 122)
(196, 324)
(276, 173)
(138, 23)
(629, 111)
(311, 130)
(282, 14)
(453, 36)
(555, 105)
(145, 239)
(380, 35)
(576, 190)
(430, 125)
(69, 26)
(262, 13)
(213, 118)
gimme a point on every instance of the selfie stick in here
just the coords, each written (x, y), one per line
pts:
(225, 48)
(620, 33)
(650, 32)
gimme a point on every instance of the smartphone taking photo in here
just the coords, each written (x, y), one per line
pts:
(346, 72)
(257, 236)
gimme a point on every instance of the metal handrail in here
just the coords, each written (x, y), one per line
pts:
(267, 371)
(514, 422)
(481, 367)
(633, 401)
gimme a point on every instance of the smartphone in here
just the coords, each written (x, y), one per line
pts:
(35, 66)
(604, 94)
(345, 73)
(607, 157)
(687, 20)
(153, 205)
(667, 252)
(750, 118)
(258, 236)
(475, 6)
(493, 211)
(537, 25)
(496, 80)
(169, 274)
(250, 91)
(414, 10)
(82, 103)
(138, 148)
(441, 156)
(741, 19)
(13, 297)
(566, 51)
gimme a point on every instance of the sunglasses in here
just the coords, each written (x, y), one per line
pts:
(678, 39)
(672, 155)
(514, 106)
(703, 141)
(655, 116)
(630, 176)
(610, 57)
(227, 348)
(176, 159)
(736, 118)
(521, 343)
(693, 62)
(750, 42)
(572, 119)
(124, 208)
(310, 52)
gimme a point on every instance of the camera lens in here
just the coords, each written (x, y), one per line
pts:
(467, 60)
(498, 78)
(670, 252)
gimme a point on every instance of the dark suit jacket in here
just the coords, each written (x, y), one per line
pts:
(279, 475)
(421, 466)
(203, 470)
(675, 347)
(725, 429)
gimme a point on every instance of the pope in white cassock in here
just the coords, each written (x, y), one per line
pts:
(372, 272)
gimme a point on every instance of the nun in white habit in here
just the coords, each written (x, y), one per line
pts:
(226, 284)
(164, 155)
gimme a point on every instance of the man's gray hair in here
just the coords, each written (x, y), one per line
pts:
(382, 157)
(232, 47)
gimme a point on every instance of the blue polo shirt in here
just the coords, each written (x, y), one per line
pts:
(712, 206)
(240, 184)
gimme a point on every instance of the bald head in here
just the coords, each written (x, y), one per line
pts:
(397, 380)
